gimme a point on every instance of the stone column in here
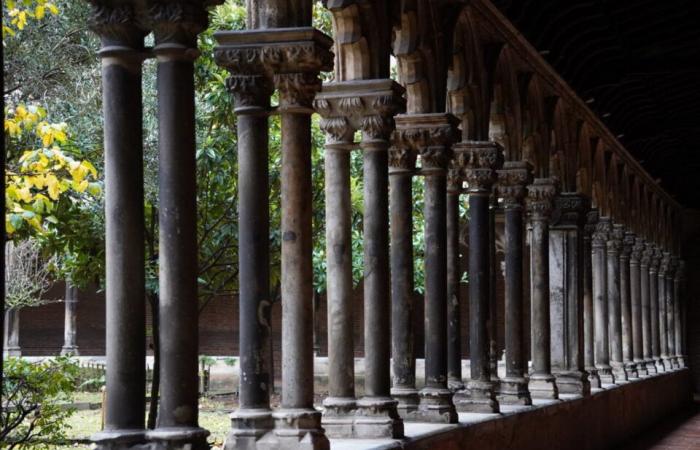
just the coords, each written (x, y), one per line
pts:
(70, 321)
(339, 406)
(678, 312)
(637, 307)
(540, 195)
(297, 422)
(661, 292)
(670, 309)
(432, 136)
(566, 293)
(654, 265)
(600, 300)
(512, 180)
(251, 90)
(11, 336)
(122, 53)
(626, 306)
(479, 161)
(614, 247)
(647, 332)
(377, 415)
(175, 27)
(454, 335)
(494, 211)
(402, 165)
(588, 316)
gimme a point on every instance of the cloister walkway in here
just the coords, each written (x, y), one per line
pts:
(678, 432)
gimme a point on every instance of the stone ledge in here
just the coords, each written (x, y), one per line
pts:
(608, 417)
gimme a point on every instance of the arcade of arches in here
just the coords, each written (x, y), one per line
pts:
(478, 115)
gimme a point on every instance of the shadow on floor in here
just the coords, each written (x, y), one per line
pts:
(678, 432)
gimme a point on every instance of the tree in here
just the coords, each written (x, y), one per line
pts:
(27, 274)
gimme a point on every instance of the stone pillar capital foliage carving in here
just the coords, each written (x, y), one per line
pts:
(602, 231)
(427, 135)
(615, 239)
(570, 210)
(367, 105)
(290, 57)
(628, 243)
(637, 253)
(175, 25)
(540, 197)
(479, 161)
(118, 26)
(250, 92)
(512, 180)
(591, 222)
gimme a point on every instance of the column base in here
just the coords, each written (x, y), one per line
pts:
(606, 374)
(455, 384)
(120, 440)
(178, 438)
(378, 418)
(435, 407)
(642, 371)
(477, 396)
(14, 351)
(339, 416)
(619, 371)
(514, 392)
(573, 382)
(660, 365)
(631, 369)
(408, 400)
(251, 429)
(593, 378)
(72, 350)
(299, 429)
(676, 365)
(668, 363)
(543, 386)
(681, 361)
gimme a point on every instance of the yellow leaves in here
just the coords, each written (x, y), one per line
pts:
(21, 14)
(53, 186)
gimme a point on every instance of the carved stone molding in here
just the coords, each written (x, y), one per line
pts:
(428, 135)
(479, 161)
(540, 196)
(176, 25)
(647, 254)
(638, 251)
(628, 243)
(602, 232)
(512, 180)
(297, 90)
(615, 238)
(570, 210)
(367, 105)
(250, 92)
(454, 179)
(118, 26)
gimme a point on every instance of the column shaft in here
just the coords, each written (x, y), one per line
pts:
(646, 308)
(588, 304)
(655, 309)
(70, 322)
(637, 308)
(454, 347)
(661, 299)
(600, 300)
(614, 246)
(626, 306)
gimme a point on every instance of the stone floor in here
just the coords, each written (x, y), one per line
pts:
(678, 432)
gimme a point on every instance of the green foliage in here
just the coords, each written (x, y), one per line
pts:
(33, 392)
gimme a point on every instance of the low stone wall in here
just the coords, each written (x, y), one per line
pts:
(602, 421)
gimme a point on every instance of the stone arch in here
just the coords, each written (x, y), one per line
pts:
(563, 146)
(533, 125)
(584, 144)
(504, 118)
(600, 198)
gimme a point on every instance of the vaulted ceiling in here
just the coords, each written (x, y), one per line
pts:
(637, 64)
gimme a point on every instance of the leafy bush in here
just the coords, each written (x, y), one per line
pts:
(34, 412)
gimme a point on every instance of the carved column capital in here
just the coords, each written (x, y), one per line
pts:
(615, 238)
(637, 251)
(628, 242)
(540, 198)
(250, 93)
(454, 179)
(603, 229)
(175, 26)
(670, 262)
(297, 90)
(570, 210)
(511, 182)
(591, 222)
(479, 161)
(428, 135)
(118, 27)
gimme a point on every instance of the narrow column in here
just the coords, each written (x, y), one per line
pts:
(679, 314)
(566, 293)
(175, 30)
(540, 195)
(654, 266)
(339, 406)
(661, 292)
(588, 316)
(614, 247)
(600, 300)
(626, 306)
(637, 307)
(479, 161)
(512, 180)
(70, 321)
(297, 422)
(251, 97)
(647, 334)
(402, 165)
(454, 334)
(494, 211)
(377, 415)
(11, 336)
(122, 54)
(670, 310)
